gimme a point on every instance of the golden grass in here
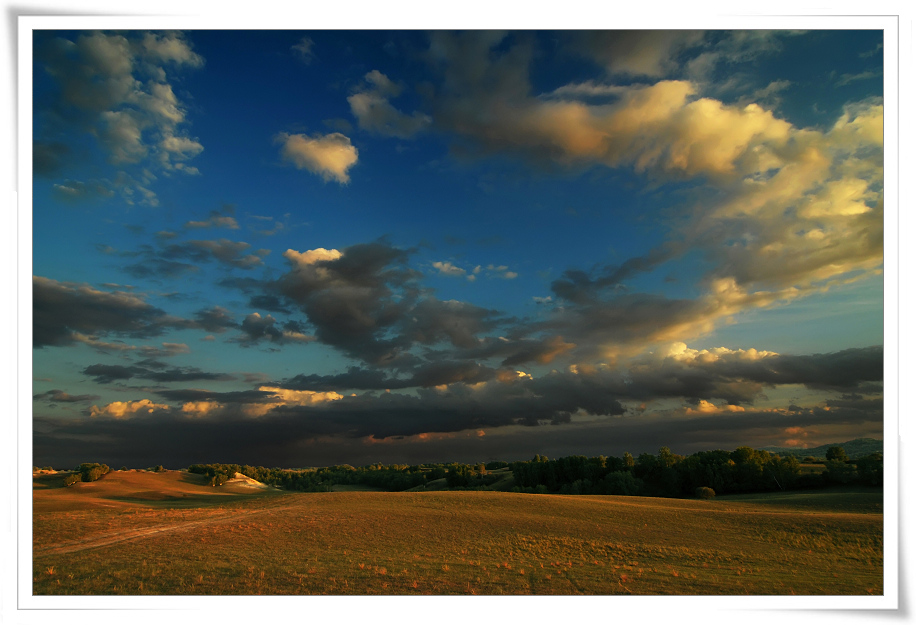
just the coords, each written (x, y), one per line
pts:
(271, 542)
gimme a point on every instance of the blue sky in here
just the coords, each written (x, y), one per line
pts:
(314, 247)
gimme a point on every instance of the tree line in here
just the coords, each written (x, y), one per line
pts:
(666, 474)
(703, 474)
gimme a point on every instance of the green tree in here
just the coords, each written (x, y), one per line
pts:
(837, 453)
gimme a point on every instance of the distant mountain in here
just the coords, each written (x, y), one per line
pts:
(854, 449)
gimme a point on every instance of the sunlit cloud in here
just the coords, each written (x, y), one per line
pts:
(330, 156)
(126, 409)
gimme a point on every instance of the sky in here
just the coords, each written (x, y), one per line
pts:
(306, 248)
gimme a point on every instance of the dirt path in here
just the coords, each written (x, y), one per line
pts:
(104, 540)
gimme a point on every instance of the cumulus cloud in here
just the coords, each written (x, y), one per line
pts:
(805, 205)
(373, 111)
(126, 409)
(330, 156)
(354, 297)
(115, 87)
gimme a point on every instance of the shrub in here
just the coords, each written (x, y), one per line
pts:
(705, 492)
(219, 479)
(72, 479)
(91, 471)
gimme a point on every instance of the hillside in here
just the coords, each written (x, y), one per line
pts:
(854, 449)
(170, 533)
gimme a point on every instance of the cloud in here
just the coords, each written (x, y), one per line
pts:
(304, 50)
(215, 319)
(150, 370)
(255, 327)
(376, 114)
(459, 323)
(230, 252)
(354, 297)
(48, 157)
(168, 260)
(62, 311)
(76, 190)
(637, 52)
(61, 397)
(332, 433)
(448, 269)
(330, 156)
(218, 219)
(115, 87)
(126, 409)
(170, 47)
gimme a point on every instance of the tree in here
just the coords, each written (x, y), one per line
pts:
(837, 453)
(871, 469)
(91, 471)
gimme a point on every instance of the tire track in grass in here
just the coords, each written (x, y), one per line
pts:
(113, 538)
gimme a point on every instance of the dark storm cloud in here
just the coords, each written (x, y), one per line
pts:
(354, 300)
(844, 370)
(291, 440)
(105, 374)
(59, 396)
(61, 310)
(432, 321)
(355, 378)
(230, 397)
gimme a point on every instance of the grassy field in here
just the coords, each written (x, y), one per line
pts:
(168, 533)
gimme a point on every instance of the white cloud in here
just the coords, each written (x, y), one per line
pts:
(330, 156)
(448, 269)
